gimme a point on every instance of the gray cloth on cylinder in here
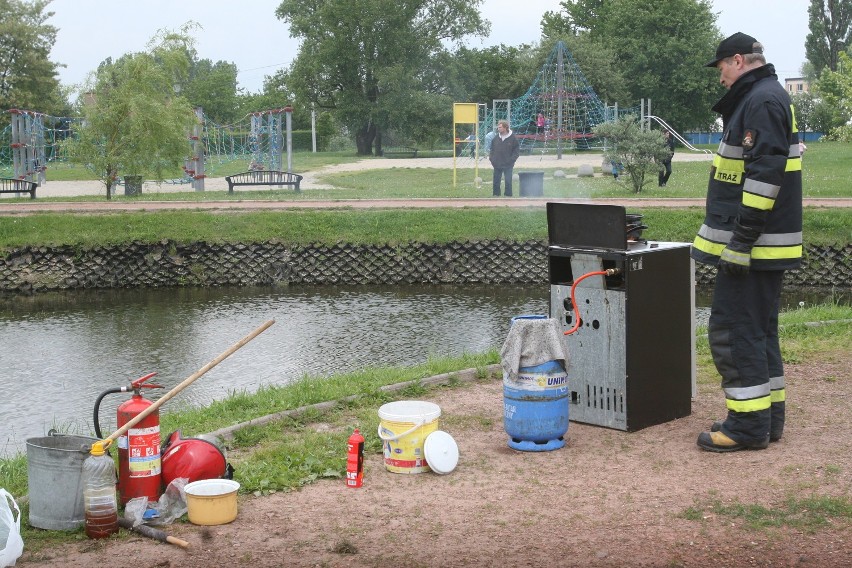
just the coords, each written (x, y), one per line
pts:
(532, 342)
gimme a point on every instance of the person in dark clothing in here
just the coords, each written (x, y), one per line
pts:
(505, 150)
(752, 232)
(667, 164)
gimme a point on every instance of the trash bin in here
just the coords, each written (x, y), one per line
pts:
(532, 184)
(132, 185)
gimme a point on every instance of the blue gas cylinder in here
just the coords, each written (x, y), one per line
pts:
(535, 407)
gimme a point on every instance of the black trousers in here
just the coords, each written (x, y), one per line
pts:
(664, 175)
(502, 173)
(743, 334)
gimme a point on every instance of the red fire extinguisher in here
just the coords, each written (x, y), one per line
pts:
(139, 465)
(355, 460)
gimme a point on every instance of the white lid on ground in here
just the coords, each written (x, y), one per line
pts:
(442, 452)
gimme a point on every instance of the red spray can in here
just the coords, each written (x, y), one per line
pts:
(355, 460)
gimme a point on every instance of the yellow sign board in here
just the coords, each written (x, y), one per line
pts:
(465, 113)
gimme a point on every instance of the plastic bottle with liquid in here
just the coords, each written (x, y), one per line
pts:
(99, 499)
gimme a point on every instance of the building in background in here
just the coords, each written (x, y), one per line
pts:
(796, 85)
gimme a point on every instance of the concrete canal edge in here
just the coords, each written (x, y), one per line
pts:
(166, 263)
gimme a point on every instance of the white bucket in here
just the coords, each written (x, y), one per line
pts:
(404, 426)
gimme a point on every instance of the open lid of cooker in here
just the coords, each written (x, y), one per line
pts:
(587, 226)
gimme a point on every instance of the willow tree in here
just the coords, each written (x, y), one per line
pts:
(135, 123)
(361, 58)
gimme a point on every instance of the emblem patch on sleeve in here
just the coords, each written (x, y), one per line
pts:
(748, 139)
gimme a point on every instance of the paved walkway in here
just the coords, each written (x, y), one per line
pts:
(312, 199)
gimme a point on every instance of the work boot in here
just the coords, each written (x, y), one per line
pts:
(719, 442)
(773, 436)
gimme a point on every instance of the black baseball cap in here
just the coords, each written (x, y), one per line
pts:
(732, 45)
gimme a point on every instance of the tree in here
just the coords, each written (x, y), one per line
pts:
(640, 152)
(804, 104)
(134, 123)
(830, 24)
(835, 92)
(27, 77)
(482, 75)
(357, 55)
(598, 64)
(578, 16)
(660, 49)
(213, 87)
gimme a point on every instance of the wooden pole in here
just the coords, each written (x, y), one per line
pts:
(186, 382)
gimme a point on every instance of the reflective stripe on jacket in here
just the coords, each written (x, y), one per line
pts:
(756, 176)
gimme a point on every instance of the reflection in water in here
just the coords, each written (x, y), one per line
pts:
(60, 350)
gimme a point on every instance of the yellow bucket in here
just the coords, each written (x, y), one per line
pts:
(211, 501)
(404, 426)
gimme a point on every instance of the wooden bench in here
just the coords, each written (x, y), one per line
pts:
(263, 177)
(9, 185)
(399, 150)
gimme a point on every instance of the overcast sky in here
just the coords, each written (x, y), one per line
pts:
(247, 33)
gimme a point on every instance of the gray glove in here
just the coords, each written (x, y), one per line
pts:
(735, 258)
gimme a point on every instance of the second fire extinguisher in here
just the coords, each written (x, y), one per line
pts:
(139, 465)
(355, 460)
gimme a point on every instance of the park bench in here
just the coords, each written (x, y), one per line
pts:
(9, 185)
(388, 151)
(263, 177)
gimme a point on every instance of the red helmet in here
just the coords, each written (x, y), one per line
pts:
(192, 458)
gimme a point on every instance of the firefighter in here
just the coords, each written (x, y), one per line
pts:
(752, 233)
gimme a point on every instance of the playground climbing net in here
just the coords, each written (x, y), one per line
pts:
(558, 112)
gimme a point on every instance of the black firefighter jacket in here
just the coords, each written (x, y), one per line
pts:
(755, 190)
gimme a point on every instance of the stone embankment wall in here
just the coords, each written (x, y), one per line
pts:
(167, 263)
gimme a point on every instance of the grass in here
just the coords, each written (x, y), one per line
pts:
(804, 513)
(825, 174)
(372, 226)
(289, 453)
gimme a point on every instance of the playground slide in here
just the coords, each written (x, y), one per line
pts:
(676, 134)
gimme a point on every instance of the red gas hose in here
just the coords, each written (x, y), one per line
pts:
(607, 272)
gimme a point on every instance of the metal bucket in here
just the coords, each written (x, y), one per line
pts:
(54, 474)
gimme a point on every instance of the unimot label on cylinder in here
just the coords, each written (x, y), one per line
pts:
(143, 451)
(537, 381)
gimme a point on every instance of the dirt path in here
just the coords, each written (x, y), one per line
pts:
(607, 499)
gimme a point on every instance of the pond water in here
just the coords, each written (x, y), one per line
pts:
(61, 350)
